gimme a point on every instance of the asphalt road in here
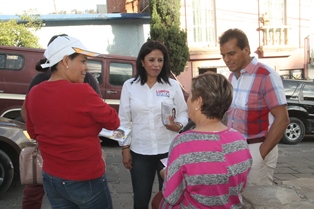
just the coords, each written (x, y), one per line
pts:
(295, 161)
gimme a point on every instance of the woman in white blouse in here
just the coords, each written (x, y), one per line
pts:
(140, 110)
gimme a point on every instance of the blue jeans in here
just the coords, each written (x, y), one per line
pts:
(66, 194)
(143, 171)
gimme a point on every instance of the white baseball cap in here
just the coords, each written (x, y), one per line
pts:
(64, 46)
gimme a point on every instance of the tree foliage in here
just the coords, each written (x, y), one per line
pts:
(21, 34)
(165, 27)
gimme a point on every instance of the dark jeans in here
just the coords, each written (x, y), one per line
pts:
(144, 169)
(65, 194)
(33, 196)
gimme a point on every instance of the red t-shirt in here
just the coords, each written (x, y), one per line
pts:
(65, 119)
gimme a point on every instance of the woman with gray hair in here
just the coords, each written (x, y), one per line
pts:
(207, 166)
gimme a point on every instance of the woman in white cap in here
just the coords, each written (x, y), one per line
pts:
(65, 116)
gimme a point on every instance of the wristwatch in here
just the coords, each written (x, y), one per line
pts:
(181, 126)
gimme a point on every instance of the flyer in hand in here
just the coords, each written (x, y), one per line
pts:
(120, 134)
(167, 109)
(164, 161)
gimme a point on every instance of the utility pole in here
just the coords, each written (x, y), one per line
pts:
(55, 6)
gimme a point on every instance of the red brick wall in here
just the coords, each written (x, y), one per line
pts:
(123, 6)
(116, 6)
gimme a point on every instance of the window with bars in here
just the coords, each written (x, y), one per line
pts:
(274, 24)
(275, 11)
(204, 33)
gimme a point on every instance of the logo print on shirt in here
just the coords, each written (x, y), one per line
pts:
(163, 93)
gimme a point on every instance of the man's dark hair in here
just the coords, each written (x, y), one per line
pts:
(235, 33)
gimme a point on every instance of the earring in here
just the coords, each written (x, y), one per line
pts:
(196, 108)
(67, 66)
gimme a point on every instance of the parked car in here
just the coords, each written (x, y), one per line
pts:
(300, 99)
(13, 137)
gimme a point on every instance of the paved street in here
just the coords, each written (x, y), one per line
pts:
(295, 161)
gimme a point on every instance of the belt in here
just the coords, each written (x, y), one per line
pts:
(256, 140)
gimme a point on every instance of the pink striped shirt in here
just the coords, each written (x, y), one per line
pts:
(206, 170)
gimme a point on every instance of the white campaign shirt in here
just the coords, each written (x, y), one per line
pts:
(140, 110)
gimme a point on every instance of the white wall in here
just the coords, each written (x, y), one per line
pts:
(106, 39)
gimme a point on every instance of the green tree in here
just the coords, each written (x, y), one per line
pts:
(165, 27)
(13, 33)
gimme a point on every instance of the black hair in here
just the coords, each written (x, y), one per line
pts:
(235, 33)
(146, 49)
(43, 61)
(53, 68)
(54, 37)
(120, 130)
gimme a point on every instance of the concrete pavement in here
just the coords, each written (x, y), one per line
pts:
(293, 186)
(295, 165)
(295, 162)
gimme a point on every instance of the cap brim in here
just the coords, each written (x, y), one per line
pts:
(85, 52)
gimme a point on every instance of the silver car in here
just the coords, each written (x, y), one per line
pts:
(13, 138)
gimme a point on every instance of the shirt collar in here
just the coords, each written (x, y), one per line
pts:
(250, 68)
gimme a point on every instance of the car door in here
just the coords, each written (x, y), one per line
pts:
(111, 74)
(119, 72)
(307, 98)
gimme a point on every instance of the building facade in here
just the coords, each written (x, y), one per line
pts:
(117, 34)
(279, 33)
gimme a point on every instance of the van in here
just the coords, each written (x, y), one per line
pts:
(17, 68)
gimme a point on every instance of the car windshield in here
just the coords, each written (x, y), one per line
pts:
(289, 87)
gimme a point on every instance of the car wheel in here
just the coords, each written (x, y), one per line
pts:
(294, 132)
(6, 172)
